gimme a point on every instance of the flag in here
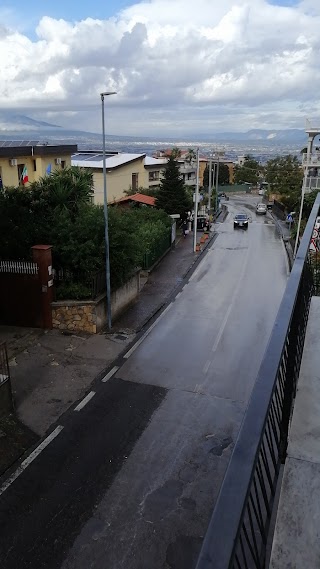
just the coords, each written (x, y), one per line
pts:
(48, 169)
(24, 177)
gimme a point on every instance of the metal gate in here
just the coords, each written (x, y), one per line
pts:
(20, 294)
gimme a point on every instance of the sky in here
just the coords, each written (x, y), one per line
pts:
(179, 67)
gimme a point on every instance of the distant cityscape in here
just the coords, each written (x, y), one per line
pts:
(261, 150)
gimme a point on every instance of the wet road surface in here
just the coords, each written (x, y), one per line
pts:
(130, 482)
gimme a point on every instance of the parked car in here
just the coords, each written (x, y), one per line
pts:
(261, 209)
(241, 220)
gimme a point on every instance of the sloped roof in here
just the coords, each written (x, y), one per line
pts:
(96, 161)
(139, 198)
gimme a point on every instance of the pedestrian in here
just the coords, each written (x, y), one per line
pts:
(184, 228)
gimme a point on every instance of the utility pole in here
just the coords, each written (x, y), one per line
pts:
(195, 220)
(210, 184)
(217, 184)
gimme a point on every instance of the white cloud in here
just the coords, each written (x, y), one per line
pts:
(177, 67)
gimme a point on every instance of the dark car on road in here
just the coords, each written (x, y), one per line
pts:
(241, 220)
(223, 196)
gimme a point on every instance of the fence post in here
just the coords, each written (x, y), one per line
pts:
(42, 255)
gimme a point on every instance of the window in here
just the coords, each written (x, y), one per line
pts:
(154, 176)
(20, 170)
(135, 182)
(63, 164)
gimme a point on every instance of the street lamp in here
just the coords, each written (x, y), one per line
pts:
(195, 220)
(105, 208)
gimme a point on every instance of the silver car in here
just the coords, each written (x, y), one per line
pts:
(261, 209)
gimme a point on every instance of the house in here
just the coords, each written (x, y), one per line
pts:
(23, 161)
(154, 168)
(187, 167)
(135, 199)
(123, 171)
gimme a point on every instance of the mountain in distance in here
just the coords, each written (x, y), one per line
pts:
(13, 123)
(291, 135)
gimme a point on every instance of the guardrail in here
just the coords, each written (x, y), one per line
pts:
(238, 531)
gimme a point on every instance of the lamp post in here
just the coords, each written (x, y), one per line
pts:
(195, 220)
(217, 183)
(210, 184)
(105, 208)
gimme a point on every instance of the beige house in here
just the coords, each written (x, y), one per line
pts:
(22, 162)
(124, 171)
(154, 169)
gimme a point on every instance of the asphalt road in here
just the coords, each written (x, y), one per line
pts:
(131, 479)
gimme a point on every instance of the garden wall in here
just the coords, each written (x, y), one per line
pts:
(91, 315)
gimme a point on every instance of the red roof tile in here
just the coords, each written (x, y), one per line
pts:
(139, 198)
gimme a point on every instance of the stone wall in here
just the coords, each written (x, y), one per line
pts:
(76, 316)
(91, 315)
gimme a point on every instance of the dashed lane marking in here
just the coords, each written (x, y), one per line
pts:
(25, 463)
(110, 374)
(84, 401)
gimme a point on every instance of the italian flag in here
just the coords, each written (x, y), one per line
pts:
(25, 178)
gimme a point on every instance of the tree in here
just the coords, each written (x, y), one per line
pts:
(191, 156)
(175, 152)
(223, 177)
(249, 172)
(172, 196)
(284, 176)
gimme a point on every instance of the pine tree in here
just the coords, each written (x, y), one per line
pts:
(172, 196)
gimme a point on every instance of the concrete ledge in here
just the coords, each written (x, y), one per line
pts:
(296, 543)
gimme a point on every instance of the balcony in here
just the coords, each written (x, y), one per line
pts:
(187, 169)
(313, 161)
(190, 181)
(238, 533)
(312, 183)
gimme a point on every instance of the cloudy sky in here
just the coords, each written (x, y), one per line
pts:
(180, 67)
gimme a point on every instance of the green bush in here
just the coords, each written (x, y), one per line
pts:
(57, 211)
(73, 291)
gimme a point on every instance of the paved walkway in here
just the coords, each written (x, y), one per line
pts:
(296, 541)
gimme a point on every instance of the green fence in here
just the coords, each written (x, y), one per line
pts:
(154, 253)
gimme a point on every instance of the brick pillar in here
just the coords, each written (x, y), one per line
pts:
(43, 257)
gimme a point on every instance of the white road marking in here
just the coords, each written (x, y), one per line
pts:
(84, 401)
(137, 344)
(206, 366)
(110, 374)
(25, 463)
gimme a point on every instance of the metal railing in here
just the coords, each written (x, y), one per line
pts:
(312, 160)
(238, 531)
(313, 183)
(4, 364)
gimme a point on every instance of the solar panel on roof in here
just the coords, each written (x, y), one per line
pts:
(97, 158)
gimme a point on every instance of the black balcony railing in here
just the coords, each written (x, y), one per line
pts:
(237, 534)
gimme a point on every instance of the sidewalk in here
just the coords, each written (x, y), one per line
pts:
(51, 370)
